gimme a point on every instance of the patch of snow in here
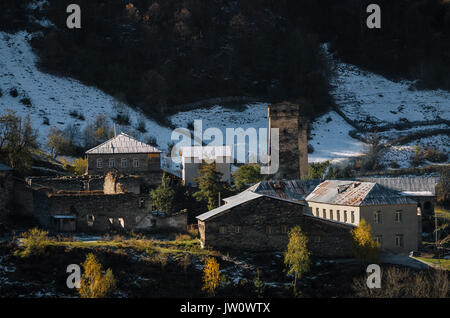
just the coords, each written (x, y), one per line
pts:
(331, 140)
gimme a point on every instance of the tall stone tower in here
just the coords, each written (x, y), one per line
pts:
(293, 139)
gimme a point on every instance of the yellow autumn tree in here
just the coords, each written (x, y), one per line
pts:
(211, 276)
(364, 248)
(297, 256)
(94, 284)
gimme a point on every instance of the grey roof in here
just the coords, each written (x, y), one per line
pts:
(407, 184)
(291, 190)
(233, 201)
(356, 193)
(5, 167)
(122, 143)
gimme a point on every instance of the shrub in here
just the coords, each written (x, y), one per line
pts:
(80, 166)
(35, 242)
(26, 102)
(141, 126)
(14, 93)
(405, 283)
(435, 155)
(418, 157)
(95, 284)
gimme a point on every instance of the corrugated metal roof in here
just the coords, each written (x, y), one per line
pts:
(423, 185)
(356, 193)
(291, 190)
(5, 167)
(122, 143)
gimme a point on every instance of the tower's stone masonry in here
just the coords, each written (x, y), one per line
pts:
(293, 139)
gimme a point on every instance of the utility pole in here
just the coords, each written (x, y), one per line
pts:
(220, 201)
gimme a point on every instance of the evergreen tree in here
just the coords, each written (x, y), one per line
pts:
(209, 185)
(247, 175)
(163, 196)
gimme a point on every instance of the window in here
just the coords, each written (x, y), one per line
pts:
(379, 240)
(345, 216)
(398, 216)
(136, 163)
(111, 163)
(378, 217)
(141, 203)
(222, 229)
(99, 163)
(338, 215)
(90, 220)
(237, 229)
(352, 217)
(284, 229)
(317, 211)
(331, 214)
(324, 213)
(269, 230)
(123, 162)
(317, 239)
(399, 240)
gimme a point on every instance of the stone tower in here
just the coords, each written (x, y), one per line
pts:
(293, 139)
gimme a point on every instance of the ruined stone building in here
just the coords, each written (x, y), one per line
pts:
(293, 139)
(126, 155)
(259, 218)
(194, 157)
(112, 207)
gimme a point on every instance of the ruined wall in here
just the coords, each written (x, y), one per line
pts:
(262, 224)
(151, 222)
(6, 192)
(293, 140)
(85, 183)
(23, 199)
(94, 211)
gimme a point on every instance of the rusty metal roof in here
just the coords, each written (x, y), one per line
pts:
(424, 185)
(356, 193)
(122, 143)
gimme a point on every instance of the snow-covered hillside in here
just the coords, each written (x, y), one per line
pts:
(359, 94)
(363, 96)
(53, 97)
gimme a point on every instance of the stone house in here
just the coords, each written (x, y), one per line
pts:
(393, 216)
(194, 157)
(260, 222)
(126, 155)
(6, 188)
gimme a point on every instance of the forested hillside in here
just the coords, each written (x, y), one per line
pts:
(155, 54)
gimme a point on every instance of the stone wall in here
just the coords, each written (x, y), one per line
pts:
(130, 183)
(262, 224)
(6, 192)
(94, 211)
